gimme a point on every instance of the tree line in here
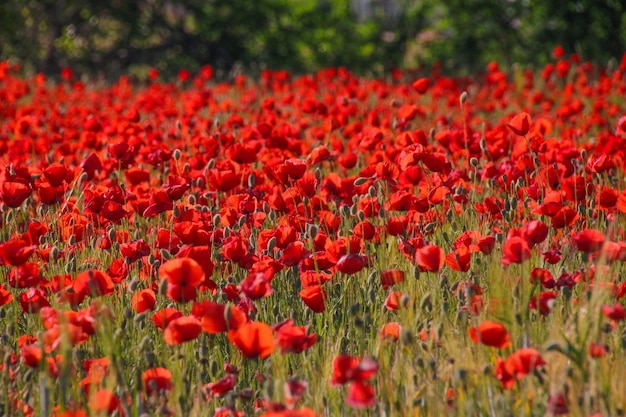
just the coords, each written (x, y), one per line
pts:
(110, 38)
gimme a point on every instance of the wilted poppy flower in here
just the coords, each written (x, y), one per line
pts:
(253, 339)
(157, 379)
(181, 330)
(491, 334)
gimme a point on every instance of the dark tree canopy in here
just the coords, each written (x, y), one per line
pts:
(114, 37)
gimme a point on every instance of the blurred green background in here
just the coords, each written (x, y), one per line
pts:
(109, 38)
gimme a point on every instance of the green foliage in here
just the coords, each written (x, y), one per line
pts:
(303, 35)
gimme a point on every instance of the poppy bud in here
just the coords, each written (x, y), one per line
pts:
(474, 161)
(483, 144)
(271, 244)
(360, 181)
(426, 302)
(463, 97)
(431, 134)
(406, 336)
(83, 178)
(163, 287)
(251, 180)
(176, 154)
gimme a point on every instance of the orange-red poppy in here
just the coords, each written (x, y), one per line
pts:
(218, 318)
(93, 283)
(520, 124)
(183, 276)
(181, 330)
(254, 339)
(156, 380)
(290, 338)
(490, 333)
(430, 257)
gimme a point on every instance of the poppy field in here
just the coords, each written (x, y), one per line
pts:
(318, 245)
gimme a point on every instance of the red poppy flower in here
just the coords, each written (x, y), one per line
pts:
(515, 250)
(14, 193)
(31, 355)
(615, 312)
(103, 400)
(33, 300)
(390, 277)
(350, 263)
(218, 318)
(544, 302)
(524, 361)
(589, 240)
(253, 339)
(93, 283)
(157, 380)
(391, 331)
(347, 368)
(597, 350)
(181, 330)
(222, 386)
(143, 300)
(361, 395)
(421, 85)
(292, 338)
(430, 257)
(520, 124)
(255, 286)
(183, 276)
(314, 297)
(5, 296)
(459, 260)
(234, 248)
(490, 333)
(15, 252)
(164, 316)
